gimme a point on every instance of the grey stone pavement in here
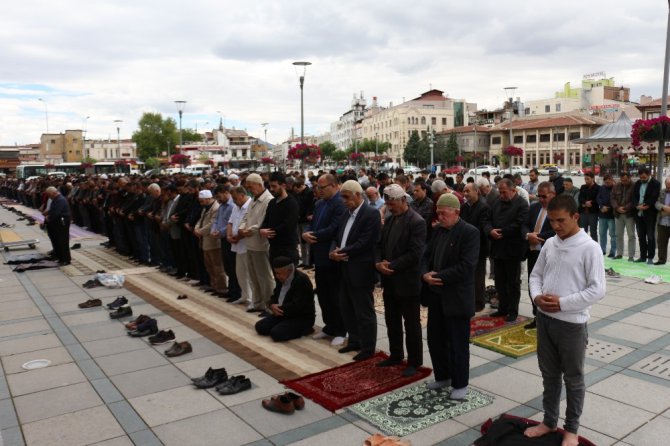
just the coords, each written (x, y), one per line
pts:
(106, 388)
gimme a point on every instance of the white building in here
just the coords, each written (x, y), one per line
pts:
(110, 149)
(343, 130)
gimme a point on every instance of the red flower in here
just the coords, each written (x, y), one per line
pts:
(267, 160)
(513, 151)
(648, 129)
(304, 151)
(460, 159)
(355, 156)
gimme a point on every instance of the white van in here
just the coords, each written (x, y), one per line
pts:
(196, 169)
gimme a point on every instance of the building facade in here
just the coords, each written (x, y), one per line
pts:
(110, 149)
(65, 147)
(343, 131)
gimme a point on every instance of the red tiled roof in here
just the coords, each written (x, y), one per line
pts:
(466, 129)
(556, 121)
(654, 103)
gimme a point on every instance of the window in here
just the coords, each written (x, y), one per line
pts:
(495, 140)
(559, 136)
(547, 108)
(433, 121)
(558, 107)
(531, 138)
(518, 139)
(423, 120)
(574, 135)
(444, 121)
(526, 111)
(545, 137)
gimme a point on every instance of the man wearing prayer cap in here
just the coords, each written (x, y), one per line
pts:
(209, 244)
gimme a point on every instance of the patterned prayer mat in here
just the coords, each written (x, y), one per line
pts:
(480, 325)
(637, 270)
(414, 408)
(515, 341)
(345, 385)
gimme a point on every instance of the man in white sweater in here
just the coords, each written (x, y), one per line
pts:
(568, 278)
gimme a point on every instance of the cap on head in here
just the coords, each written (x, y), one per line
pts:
(281, 262)
(394, 192)
(352, 186)
(254, 178)
(449, 200)
(233, 176)
(206, 193)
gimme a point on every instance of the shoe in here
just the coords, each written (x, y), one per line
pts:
(264, 314)
(498, 314)
(410, 370)
(132, 325)
(121, 312)
(618, 257)
(216, 377)
(76, 246)
(254, 310)
(235, 384)
(209, 374)
(91, 303)
(659, 263)
(630, 259)
(612, 255)
(162, 337)
(297, 400)
(279, 404)
(388, 362)
(178, 349)
(362, 356)
(611, 273)
(530, 325)
(63, 263)
(650, 261)
(654, 279)
(182, 297)
(146, 328)
(232, 299)
(350, 348)
(118, 303)
(337, 341)
(640, 260)
(320, 335)
(511, 317)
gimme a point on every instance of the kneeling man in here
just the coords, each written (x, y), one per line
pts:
(292, 304)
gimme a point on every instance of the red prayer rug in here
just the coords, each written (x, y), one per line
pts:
(480, 325)
(353, 382)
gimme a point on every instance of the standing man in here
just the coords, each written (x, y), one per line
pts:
(280, 225)
(238, 245)
(663, 228)
(564, 288)
(542, 231)
(58, 225)
(475, 211)
(305, 198)
(606, 215)
(570, 189)
(621, 200)
(354, 247)
(209, 244)
(588, 205)
(449, 274)
(398, 256)
(258, 263)
(532, 184)
(507, 227)
(322, 232)
(218, 231)
(557, 179)
(645, 195)
(423, 205)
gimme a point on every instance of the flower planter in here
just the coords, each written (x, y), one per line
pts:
(657, 131)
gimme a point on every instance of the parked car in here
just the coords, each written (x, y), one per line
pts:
(454, 170)
(492, 170)
(544, 169)
(514, 170)
(596, 170)
(408, 168)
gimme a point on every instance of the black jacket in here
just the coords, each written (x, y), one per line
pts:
(546, 231)
(476, 215)
(324, 225)
(299, 300)
(587, 193)
(650, 197)
(512, 217)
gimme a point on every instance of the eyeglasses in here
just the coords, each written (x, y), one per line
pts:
(542, 196)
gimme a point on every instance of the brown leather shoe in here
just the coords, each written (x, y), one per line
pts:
(91, 303)
(178, 349)
(132, 325)
(280, 404)
(297, 400)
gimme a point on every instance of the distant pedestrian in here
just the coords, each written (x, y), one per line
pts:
(645, 194)
(663, 228)
(621, 200)
(606, 216)
(588, 207)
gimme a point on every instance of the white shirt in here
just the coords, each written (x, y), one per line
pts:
(350, 223)
(572, 269)
(235, 219)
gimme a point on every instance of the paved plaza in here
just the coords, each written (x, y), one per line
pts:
(105, 388)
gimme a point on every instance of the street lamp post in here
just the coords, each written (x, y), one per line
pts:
(46, 115)
(180, 109)
(265, 130)
(510, 94)
(118, 137)
(664, 101)
(302, 109)
(84, 125)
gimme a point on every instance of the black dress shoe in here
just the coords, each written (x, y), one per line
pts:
(511, 317)
(498, 314)
(530, 325)
(209, 374)
(235, 384)
(121, 312)
(361, 356)
(350, 348)
(178, 349)
(618, 257)
(217, 377)
(146, 328)
(659, 263)
(388, 362)
(640, 260)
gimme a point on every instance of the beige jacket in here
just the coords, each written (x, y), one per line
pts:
(253, 221)
(207, 217)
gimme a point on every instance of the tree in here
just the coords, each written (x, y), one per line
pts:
(155, 135)
(339, 155)
(451, 148)
(411, 153)
(189, 135)
(327, 149)
(152, 163)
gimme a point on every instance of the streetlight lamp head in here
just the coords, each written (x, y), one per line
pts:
(302, 63)
(180, 105)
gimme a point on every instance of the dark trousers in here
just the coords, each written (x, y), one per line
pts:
(141, 240)
(358, 312)
(448, 344)
(167, 259)
(229, 265)
(59, 234)
(480, 284)
(662, 238)
(188, 251)
(646, 235)
(396, 310)
(590, 224)
(561, 347)
(532, 259)
(281, 328)
(508, 285)
(179, 256)
(327, 291)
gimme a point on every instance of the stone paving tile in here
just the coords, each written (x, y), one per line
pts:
(94, 332)
(655, 433)
(262, 386)
(73, 429)
(271, 423)
(57, 355)
(476, 417)
(202, 347)
(634, 333)
(16, 304)
(29, 344)
(130, 361)
(112, 346)
(350, 432)
(7, 415)
(31, 326)
(11, 297)
(19, 313)
(219, 427)
(621, 302)
(43, 379)
(634, 392)
(58, 401)
(85, 317)
(510, 383)
(151, 380)
(648, 320)
(172, 405)
(118, 441)
(12, 436)
(194, 368)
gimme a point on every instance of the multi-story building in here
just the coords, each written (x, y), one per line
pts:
(66, 147)
(650, 108)
(473, 140)
(110, 149)
(430, 111)
(342, 131)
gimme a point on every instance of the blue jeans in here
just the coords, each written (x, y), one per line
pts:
(607, 225)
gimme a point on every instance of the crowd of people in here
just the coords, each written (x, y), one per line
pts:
(250, 238)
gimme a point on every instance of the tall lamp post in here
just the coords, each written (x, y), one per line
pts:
(118, 137)
(46, 115)
(664, 101)
(301, 77)
(509, 91)
(84, 125)
(180, 109)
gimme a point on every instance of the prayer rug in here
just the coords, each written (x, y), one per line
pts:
(509, 430)
(350, 383)
(637, 270)
(480, 325)
(515, 341)
(414, 408)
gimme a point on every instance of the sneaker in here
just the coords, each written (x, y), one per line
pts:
(118, 303)
(162, 337)
(654, 280)
(611, 273)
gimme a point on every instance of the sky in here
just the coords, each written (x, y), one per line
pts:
(113, 60)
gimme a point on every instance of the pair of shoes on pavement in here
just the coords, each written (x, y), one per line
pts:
(119, 308)
(146, 328)
(211, 378)
(286, 403)
(233, 385)
(91, 303)
(178, 349)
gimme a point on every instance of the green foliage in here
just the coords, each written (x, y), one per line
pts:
(451, 148)
(190, 135)
(88, 159)
(155, 135)
(339, 155)
(412, 149)
(152, 163)
(327, 149)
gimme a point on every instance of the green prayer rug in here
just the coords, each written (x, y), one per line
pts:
(637, 270)
(515, 341)
(411, 409)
